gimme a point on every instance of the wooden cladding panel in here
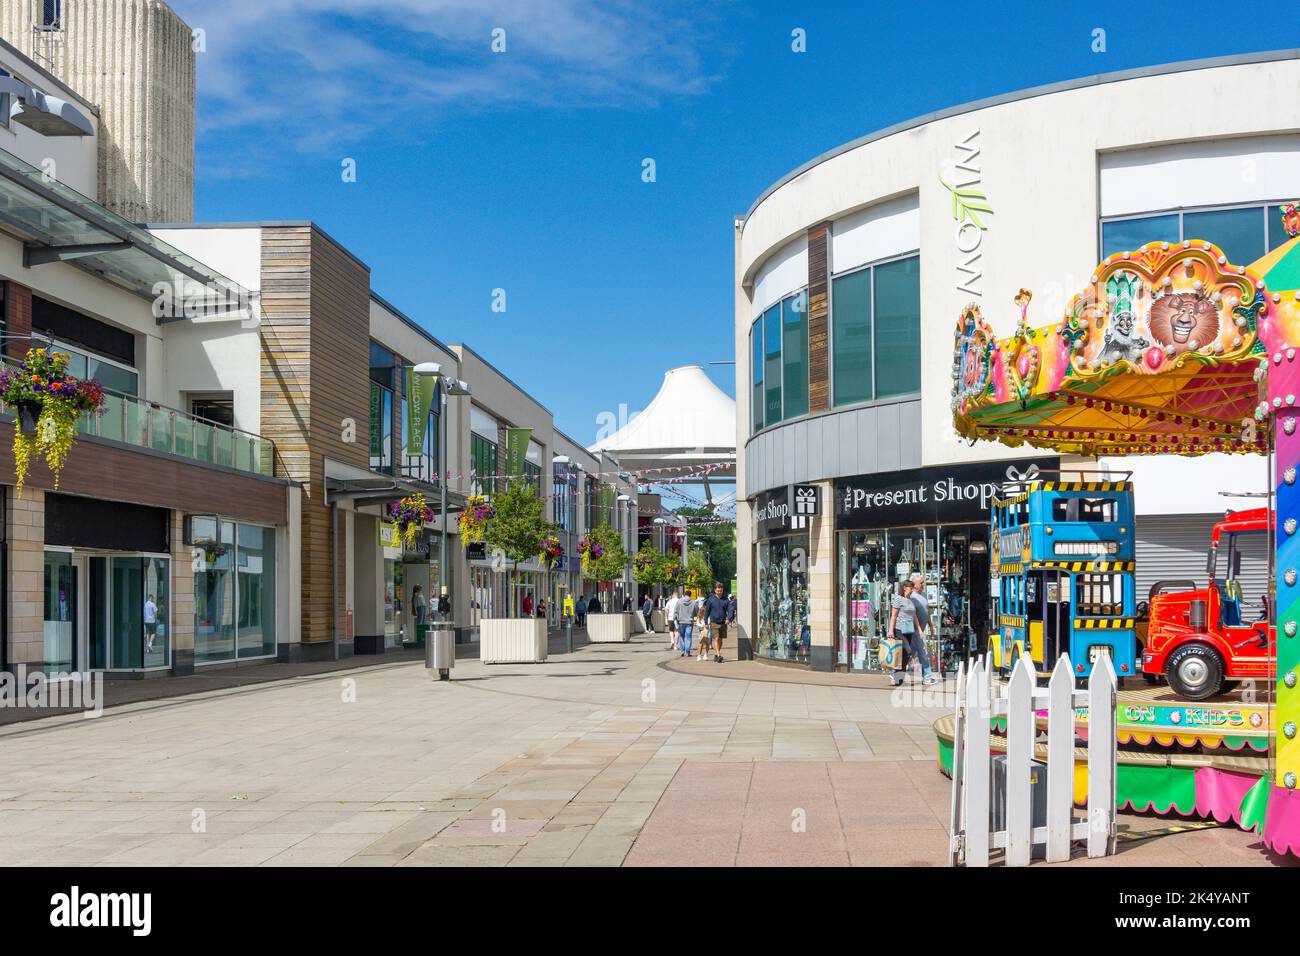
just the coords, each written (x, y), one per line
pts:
(818, 324)
(18, 318)
(101, 470)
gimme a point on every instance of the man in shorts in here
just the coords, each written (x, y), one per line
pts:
(716, 610)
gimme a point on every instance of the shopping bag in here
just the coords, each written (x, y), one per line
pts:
(890, 653)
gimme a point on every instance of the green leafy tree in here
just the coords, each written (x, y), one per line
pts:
(613, 556)
(518, 525)
(719, 543)
(649, 566)
(699, 572)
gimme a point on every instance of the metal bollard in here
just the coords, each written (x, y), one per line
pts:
(568, 635)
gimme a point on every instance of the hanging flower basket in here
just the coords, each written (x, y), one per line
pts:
(551, 551)
(474, 519)
(410, 514)
(49, 404)
(590, 549)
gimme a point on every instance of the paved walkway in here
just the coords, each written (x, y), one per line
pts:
(597, 758)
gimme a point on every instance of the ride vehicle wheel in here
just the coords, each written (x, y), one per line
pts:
(1194, 671)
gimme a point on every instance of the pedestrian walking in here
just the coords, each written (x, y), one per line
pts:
(716, 609)
(593, 604)
(685, 614)
(670, 614)
(648, 612)
(919, 648)
(580, 611)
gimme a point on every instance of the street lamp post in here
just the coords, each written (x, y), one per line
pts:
(447, 386)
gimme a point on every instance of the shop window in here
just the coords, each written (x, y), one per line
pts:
(772, 363)
(234, 590)
(1244, 233)
(381, 428)
(1098, 594)
(876, 332)
(794, 351)
(784, 627)
(483, 458)
(852, 338)
(756, 371)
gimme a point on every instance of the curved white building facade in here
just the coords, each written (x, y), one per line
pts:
(850, 273)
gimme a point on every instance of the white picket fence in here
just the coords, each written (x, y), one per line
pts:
(971, 835)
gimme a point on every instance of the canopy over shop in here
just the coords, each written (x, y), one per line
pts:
(1169, 349)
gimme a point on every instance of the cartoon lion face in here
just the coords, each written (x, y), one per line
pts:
(1181, 318)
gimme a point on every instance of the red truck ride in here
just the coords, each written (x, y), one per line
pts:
(1202, 641)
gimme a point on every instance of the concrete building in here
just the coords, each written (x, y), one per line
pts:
(134, 61)
(850, 273)
(168, 541)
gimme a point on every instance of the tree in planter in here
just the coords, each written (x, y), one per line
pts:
(648, 567)
(518, 526)
(699, 573)
(603, 556)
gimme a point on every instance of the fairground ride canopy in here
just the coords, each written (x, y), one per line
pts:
(1165, 351)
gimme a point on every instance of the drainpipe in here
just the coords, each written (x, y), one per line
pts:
(334, 572)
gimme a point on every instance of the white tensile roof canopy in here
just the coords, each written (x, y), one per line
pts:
(690, 422)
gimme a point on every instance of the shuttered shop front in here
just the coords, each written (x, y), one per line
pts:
(1174, 546)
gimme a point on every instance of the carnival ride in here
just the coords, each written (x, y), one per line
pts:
(1063, 553)
(1203, 640)
(1172, 349)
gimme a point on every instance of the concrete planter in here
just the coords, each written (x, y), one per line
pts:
(609, 628)
(512, 640)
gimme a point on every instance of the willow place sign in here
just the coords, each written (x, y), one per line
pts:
(938, 495)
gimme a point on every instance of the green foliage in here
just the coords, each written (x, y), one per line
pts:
(649, 567)
(699, 573)
(519, 523)
(613, 559)
(719, 543)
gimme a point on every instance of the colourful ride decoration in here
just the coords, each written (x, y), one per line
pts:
(1063, 551)
(1173, 349)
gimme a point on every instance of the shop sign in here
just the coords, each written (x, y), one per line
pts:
(420, 390)
(388, 536)
(477, 551)
(786, 509)
(937, 495)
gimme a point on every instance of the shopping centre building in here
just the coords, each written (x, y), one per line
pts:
(850, 274)
(230, 504)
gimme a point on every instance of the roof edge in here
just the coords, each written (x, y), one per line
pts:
(1001, 99)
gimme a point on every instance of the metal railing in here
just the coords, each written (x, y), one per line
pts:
(144, 424)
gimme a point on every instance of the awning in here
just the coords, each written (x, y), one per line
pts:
(46, 114)
(378, 491)
(58, 224)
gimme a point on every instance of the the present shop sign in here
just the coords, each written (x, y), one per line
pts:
(786, 509)
(923, 496)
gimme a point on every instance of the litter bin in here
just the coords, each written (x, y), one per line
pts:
(440, 653)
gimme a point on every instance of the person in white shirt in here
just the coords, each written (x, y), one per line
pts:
(670, 612)
(150, 622)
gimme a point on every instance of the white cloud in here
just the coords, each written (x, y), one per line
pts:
(318, 72)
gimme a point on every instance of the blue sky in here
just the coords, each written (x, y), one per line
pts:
(522, 170)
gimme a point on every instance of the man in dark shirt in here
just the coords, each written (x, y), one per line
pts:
(715, 617)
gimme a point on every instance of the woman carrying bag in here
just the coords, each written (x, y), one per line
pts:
(902, 630)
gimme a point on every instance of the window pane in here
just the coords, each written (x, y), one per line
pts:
(898, 327)
(851, 335)
(256, 577)
(1238, 232)
(756, 371)
(118, 379)
(1126, 235)
(1276, 231)
(794, 333)
(772, 362)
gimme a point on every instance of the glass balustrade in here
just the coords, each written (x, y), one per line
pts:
(134, 421)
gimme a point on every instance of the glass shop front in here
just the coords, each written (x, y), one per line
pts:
(927, 521)
(784, 626)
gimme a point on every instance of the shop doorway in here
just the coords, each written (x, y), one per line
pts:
(954, 565)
